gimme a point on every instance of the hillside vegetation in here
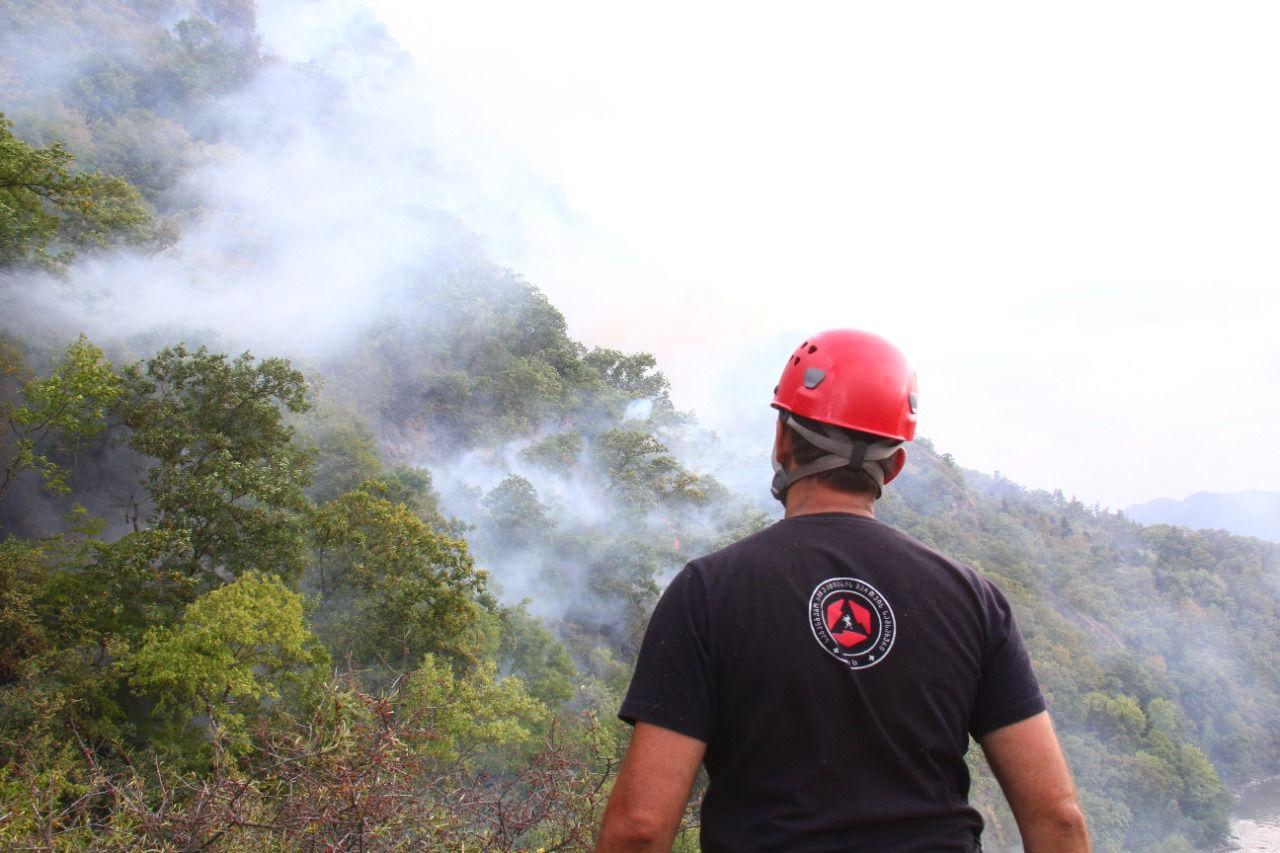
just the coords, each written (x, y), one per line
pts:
(387, 592)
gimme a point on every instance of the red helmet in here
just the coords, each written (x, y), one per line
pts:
(853, 380)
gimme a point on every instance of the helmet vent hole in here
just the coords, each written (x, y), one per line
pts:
(797, 360)
(803, 345)
(812, 350)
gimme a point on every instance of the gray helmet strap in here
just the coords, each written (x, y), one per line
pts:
(842, 452)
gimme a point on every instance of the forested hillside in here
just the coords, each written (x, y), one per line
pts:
(379, 581)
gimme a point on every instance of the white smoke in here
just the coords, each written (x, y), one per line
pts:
(319, 207)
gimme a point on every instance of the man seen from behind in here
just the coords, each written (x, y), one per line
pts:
(829, 670)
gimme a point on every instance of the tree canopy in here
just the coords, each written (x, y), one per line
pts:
(49, 213)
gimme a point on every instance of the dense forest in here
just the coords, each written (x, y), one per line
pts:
(380, 584)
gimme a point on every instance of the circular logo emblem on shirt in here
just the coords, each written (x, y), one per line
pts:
(852, 621)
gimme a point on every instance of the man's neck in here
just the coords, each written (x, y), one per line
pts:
(810, 496)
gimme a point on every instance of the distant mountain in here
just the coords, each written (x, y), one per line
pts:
(1243, 513)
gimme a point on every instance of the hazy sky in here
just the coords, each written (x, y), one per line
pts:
(1065, 214)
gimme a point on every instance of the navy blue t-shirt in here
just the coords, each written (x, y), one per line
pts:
(835, 668)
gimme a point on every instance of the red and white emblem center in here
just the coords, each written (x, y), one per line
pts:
(852, 621)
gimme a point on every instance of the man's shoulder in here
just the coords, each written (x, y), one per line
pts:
(762, 545)
(791, 538)
(813, 530)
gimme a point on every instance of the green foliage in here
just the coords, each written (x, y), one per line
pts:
(133, 652)
(397, 770)
(141, 69)
(1119, 718)
(636, 376)
(641, 472)
(110, 593)
(494, 363)
(393, 589)
(236, 650)
(204, 59)
(58, 411)
(347, 456)
(48, 213)
(513, 507)
(23, 636)
(226, 469)
(559, 451)
(473, 713)
(74, 605)
(530, 652)
(404, 484)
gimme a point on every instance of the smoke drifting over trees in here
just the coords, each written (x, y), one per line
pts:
(410, 544)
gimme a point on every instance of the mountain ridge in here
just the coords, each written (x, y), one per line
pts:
(1253, 512)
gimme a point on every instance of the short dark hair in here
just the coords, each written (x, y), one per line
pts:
(846, 479)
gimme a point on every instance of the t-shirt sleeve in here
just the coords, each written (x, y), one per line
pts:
(1008, 691)
(672, 685)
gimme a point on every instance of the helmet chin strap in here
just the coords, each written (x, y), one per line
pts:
(842, 452)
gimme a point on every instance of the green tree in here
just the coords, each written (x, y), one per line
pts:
(470, 715)
(72, 606)
(529, 651)
(1117, 717)
(346, 455)
(48, 213)
(226, 468)
(56, 412)
(392, 588)
(642, 472)
(237, 650)
(516, 517)
(557, 452)
(635, 375)
(23, 634)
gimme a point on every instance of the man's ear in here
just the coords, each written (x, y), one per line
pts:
(782, 449)
(894, 464)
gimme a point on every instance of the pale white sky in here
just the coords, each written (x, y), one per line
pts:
(1065, 214)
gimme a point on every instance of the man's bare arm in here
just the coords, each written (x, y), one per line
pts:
(649, 797)
(1029, 765)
